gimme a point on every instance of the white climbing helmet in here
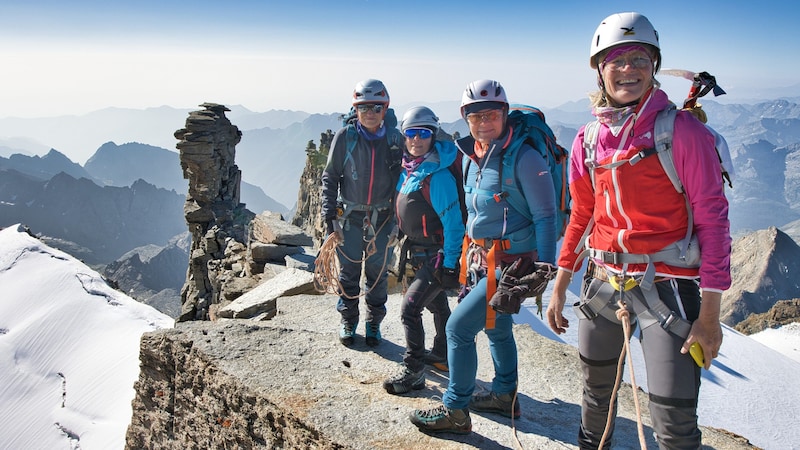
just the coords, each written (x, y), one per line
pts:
(482, 91)
(622, 28)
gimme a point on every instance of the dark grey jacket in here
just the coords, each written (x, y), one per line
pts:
(367, 177)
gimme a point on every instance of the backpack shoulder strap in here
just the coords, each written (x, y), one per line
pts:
(515, 197)
(664, 130)
(590, 135)
(350, 141)
(395, 138)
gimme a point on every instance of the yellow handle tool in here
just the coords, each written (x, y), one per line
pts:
(697, 354)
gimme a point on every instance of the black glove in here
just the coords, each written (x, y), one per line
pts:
(523, 278)
(329, 226)
(447, 278)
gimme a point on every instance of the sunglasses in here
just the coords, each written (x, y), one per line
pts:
(374, 107)
(489, 116)
(637, 62)
(423, 133)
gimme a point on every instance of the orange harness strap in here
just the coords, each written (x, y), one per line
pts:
(491, 276)
(462, 277)
(491, 286)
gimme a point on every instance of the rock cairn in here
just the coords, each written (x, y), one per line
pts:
(217, 221)
(233, 250)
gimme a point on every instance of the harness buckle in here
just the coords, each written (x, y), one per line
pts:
(586, 310)
(670, 321)
(611, 258)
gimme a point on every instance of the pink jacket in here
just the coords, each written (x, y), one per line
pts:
(637, 210)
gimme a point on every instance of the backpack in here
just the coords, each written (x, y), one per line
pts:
(530, 127)
(455, 169)
(663, 131)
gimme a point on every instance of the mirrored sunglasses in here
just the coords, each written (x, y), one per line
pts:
(637, 62)
(488, 116)
(374, 107)
(423, 133)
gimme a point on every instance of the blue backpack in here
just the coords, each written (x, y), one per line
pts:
(530, 127)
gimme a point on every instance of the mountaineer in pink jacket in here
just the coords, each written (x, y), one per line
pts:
(634, 227)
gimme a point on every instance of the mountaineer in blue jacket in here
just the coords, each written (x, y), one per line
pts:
(500, 237)
(429, 214)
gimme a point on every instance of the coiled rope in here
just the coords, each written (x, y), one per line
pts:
(327, 267)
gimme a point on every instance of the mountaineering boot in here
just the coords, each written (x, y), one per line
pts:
(347, 333)
(373, 334)
(501, 404)
(438, 362)
(442, 420)
(405, 381)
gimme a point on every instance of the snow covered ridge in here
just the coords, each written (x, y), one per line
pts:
(69, 349)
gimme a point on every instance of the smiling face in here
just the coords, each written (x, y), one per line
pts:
(486, 125)
(418, 141)
(370, 115)
(627, 76)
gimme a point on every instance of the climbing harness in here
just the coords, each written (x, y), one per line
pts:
(480, 259)
(327, 267)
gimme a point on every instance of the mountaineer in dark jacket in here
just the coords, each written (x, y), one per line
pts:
(357, 191)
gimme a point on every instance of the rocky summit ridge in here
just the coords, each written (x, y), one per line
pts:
(289, 383)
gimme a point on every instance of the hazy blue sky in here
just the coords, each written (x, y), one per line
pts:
(72, 57)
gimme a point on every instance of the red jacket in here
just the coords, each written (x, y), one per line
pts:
(637, 210)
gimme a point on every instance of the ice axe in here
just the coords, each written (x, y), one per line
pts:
(702, 84)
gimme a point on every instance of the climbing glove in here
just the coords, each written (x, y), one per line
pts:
(447, 278)
(521, 279)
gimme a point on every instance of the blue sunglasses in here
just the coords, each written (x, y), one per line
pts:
(423, 133)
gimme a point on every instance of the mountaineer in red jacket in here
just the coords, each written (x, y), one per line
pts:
(635, 227)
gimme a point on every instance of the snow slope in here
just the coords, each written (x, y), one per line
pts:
(69, 350)
(752, 388)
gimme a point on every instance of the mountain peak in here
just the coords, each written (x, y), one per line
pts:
(764, 265)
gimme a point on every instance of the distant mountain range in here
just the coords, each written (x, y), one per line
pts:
(762, 138)
(110, 205)
(271, 155)
(103, 221)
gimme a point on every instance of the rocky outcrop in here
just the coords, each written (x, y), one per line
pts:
(231, 246)
(289, 383)
(217, 220)
(309, 201)
(782, 313)
(764, 268)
